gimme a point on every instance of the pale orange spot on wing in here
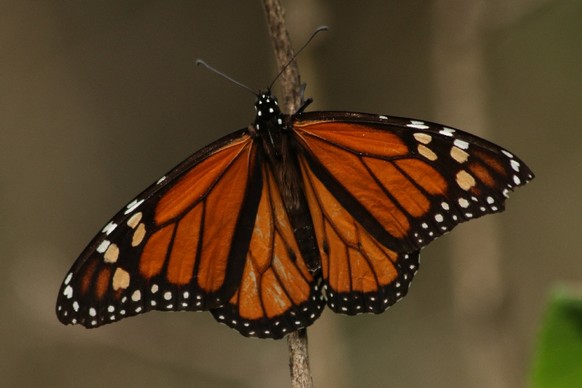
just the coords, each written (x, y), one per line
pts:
(138, 235)
(111, 254)
(121, 280)
(465, 180)
(154, 253)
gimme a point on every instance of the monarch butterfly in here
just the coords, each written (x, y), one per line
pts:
(269, 224)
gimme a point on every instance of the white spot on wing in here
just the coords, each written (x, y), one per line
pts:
(515, 165)
(136, 296)
(417, 124)
(447, 131)
(462, 144)
(110, 227)
(68, 292)
(133, 205)
(508, 154)
(103, 246)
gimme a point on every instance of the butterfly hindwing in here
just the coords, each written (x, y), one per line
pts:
(276, 294)
(360, 275)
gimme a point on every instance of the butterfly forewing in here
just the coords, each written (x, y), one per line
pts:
(406, 181)
(163, 251)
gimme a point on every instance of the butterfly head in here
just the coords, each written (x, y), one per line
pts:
(268, 112)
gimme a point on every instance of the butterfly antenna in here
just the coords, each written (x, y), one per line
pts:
(317, 31)
(220, 73)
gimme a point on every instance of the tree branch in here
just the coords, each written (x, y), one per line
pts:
(291, 101)
(290, 80)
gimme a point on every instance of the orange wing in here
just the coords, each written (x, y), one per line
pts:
(177, 246)
(213, 234)
(380, 188)
(276, 294)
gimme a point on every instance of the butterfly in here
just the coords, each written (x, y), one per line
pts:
(268, 225)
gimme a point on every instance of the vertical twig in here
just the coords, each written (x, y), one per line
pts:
(291, 98)
(290, 80)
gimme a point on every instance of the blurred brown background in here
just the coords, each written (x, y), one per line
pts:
(99, 99)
